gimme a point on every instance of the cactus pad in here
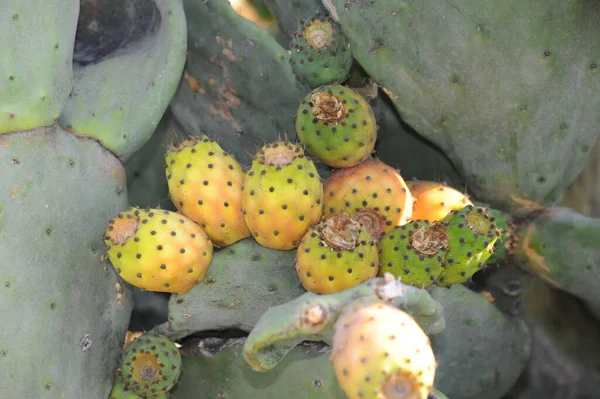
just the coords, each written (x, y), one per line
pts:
(497, 94)
(35, 60)
(64, 310)
(243, 281)
(141, 65)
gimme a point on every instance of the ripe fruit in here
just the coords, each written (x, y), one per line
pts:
(158, 250)
(320, 53)
(371, 185)
(205, 184)
(380, 352)
(433, 201)
(337, 126)
(335, 255)
(282, 196)
(151, 365)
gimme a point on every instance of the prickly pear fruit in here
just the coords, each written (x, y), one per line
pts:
(120, 392)
(379, 351)
(205, 184)
(337, 126)
(335, 255)
(151, 365)
(282, 196)
(472, 236)
(414, 252)
(320, 53)
(433, 201)
(371, 185)
(158, 250)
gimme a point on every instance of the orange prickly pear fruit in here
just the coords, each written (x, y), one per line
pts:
(434, 201)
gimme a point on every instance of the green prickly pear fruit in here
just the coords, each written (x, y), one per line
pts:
(151, 365)
(120, 392)
(337, 125)
(434, 201)
(335, 255)
(371, 185)
(320, 52)
(205, 184)
(472, 235)
(282, 196)
(158, 250)
(379, 351)
(415, 252)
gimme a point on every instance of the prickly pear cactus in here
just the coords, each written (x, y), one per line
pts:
(148, 47)
(305, 372)
(34, 96)
(243, 281)
(65, 311)
(435, 60)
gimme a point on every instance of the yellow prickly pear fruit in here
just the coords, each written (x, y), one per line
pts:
(282, 196)
(380, 352)
(158, 250)
(434, 201)
(335, 255)
(205, 184)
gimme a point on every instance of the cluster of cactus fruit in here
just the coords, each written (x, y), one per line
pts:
(356, 225)
(319, 256)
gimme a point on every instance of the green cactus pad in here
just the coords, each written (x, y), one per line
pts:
(320, 53)
(243, 281)
(312, 317)
(64, 312)
(563, 247)
(472, 235)
(415, 252)
(120, 392)
(122, 87)
(151, 365)
(337, 125)
(482, 352)
(305, 373)
(496, 92)
(35, 60)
